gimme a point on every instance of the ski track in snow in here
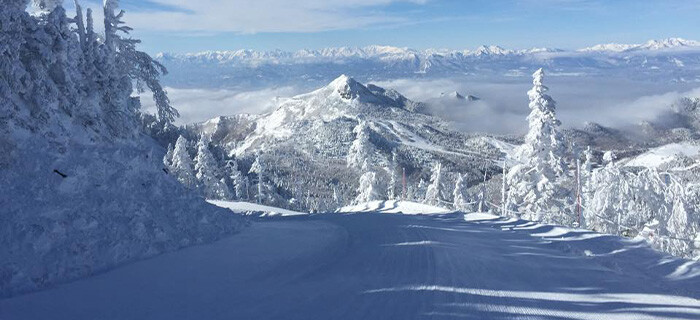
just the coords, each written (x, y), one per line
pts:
(386, 266)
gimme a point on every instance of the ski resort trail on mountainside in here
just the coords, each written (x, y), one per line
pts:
(386, 266)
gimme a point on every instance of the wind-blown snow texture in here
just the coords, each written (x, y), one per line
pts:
(387, 266)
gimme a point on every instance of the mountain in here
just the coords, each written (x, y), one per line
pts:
(456, 96)
(672, 59)
(309, 139)
(651, 45)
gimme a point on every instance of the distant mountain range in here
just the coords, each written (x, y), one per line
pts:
(672, 59)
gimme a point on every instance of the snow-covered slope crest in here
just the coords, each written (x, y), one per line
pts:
(254, 208)
(657, 157)
(393, 206)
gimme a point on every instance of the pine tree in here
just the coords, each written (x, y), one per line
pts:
(182, 166)
(168, 158)
(434, 194)
(136, 64)
(367, 190)
(536, 183)
(258, 167)
(420, 191)
(461, 201)
(236, 179)
(209, 177)
(393, 178)
(362, 153)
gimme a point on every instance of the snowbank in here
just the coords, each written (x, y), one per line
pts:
(247, 207)
(659, 156)
(115, 205)
(394, 206)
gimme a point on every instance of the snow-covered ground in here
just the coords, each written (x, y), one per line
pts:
(393, 206)
(664, 154)
(254, 208)
(387, 266)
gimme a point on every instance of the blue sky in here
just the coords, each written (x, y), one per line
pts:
(197, 25)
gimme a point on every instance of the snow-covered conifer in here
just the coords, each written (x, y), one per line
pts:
(362, 152)
(263, 192)
(459, 195)
(182, 166)
(536, 183)
(367, 190)
(434, 194)
(393, 178)
(168, 158)
(209, 177)
(236, 179)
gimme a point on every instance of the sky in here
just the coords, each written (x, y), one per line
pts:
(180, 26)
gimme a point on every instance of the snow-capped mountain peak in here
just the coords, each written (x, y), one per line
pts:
(348, 88)
(651, 45)
(453, 94)
(491, 50)
(669, 44)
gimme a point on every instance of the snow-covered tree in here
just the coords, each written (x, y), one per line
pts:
(362, 152)
(47, 5)
(182, 166)
(168, 158)
(434, 195)
(264, 190)
(392, 172)
(536, 184)
(236, 179)
(460, 198)
(210, 180)
(137, 65)
(367, 191)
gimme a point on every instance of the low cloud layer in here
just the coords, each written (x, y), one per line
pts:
(502, 108)
(504, 103)
(196, 105)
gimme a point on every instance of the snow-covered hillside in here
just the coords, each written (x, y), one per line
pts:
(82, 186)
(387, 266)
(313, 149)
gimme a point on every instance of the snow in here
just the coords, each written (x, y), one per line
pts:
(393, 206)
(247, 208)
(664, 154)
(379, 266)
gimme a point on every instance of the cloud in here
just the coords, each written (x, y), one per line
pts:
(612, 102)
(196, 105)
(253, 16)
(502, 109)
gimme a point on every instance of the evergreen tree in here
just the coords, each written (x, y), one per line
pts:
(210, 180)
(264, 192)
(168, 158)
(393, 178)
(460, 198)
(236, 179)
(181, 166)
(367, 190)
(362, 152)
(536, 183)
(420, 191)
(434, 194)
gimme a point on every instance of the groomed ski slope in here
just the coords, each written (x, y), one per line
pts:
(386, 266)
